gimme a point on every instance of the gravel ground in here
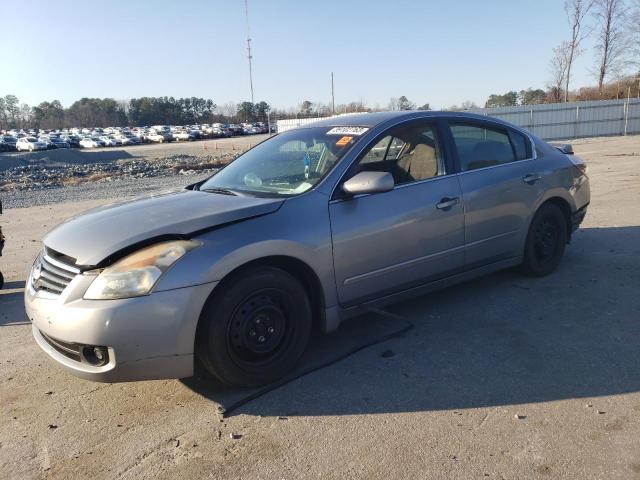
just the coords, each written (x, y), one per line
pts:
(54, 176)
(505, 377)
(121, 188)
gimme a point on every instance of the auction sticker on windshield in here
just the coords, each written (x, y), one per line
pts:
(343, 141)
(347, 131)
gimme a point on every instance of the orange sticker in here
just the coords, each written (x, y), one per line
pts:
(343, 141)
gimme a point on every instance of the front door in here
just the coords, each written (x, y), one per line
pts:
(387, 242)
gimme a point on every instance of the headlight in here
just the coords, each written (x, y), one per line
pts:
(136, 274)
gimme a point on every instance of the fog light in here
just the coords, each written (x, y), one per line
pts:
(96, 356)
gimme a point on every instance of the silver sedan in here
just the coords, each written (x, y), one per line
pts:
(303, 230)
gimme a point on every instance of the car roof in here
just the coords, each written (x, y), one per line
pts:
(378, 118)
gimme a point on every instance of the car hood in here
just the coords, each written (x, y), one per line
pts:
(94, 236)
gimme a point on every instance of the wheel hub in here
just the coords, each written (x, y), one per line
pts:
(258, 328)
(546, 239)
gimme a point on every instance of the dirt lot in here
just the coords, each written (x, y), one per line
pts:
(146, 151)
(504, 377)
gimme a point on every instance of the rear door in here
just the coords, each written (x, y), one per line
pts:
(386, 242)
(500, 185)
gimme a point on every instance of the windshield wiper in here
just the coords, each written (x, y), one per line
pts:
(223, 191)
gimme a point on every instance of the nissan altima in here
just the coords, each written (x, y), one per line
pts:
(308, 228)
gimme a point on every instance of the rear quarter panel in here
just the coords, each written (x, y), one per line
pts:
(561, 179)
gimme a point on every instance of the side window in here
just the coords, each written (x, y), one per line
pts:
(409, 153)
(480, 146)
(378, 152)
(521, 145)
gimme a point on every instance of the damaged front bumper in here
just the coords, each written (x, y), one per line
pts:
(142, 338)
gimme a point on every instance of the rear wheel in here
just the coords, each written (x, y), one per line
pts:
(546, 241)
(255, 328)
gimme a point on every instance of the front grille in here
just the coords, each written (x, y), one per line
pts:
(69, 350)
(51, 275)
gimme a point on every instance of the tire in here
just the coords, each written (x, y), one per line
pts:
(255, 328)
(546, 241)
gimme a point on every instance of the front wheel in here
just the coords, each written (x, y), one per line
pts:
(546, 241)
(255, 328)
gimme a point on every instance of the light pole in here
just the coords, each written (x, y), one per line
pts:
(333, 97)
(246, 12)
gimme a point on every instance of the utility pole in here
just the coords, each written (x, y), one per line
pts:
(246, 12)
(333, 97)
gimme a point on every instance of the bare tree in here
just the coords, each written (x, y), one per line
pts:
(576, 11)
(227, 109)
(610, 44)
(558, 66)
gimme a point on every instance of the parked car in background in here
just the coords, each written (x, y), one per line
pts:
(108, 141)
(155, 137)
(72, 140)
(88, 142)
(99, 141)
(236, 129)
(29, 144)
(10, 142)
(182, 136)
(47, 141)
(160, 135)
(59, 142)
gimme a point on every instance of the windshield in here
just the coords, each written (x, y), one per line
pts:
(287, 164)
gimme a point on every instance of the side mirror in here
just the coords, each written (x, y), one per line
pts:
(368, 182)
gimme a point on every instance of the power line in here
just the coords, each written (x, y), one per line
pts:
(246, 12)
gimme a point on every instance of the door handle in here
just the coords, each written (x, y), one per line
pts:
(531, 178)
(446, 203)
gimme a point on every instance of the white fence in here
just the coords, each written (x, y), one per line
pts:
(554, 121)
(573, 120)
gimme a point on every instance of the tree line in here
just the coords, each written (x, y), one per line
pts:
(108, 112)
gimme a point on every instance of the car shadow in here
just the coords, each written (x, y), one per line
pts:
(12, 305)
(503, 339)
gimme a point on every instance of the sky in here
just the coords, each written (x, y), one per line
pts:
(436, 52)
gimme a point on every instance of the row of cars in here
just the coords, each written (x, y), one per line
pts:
(32, 140)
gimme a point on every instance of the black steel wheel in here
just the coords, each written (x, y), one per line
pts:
(546, 241)
(258, 328)
(255, 327)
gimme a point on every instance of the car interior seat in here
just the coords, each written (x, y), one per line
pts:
(420, 163)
